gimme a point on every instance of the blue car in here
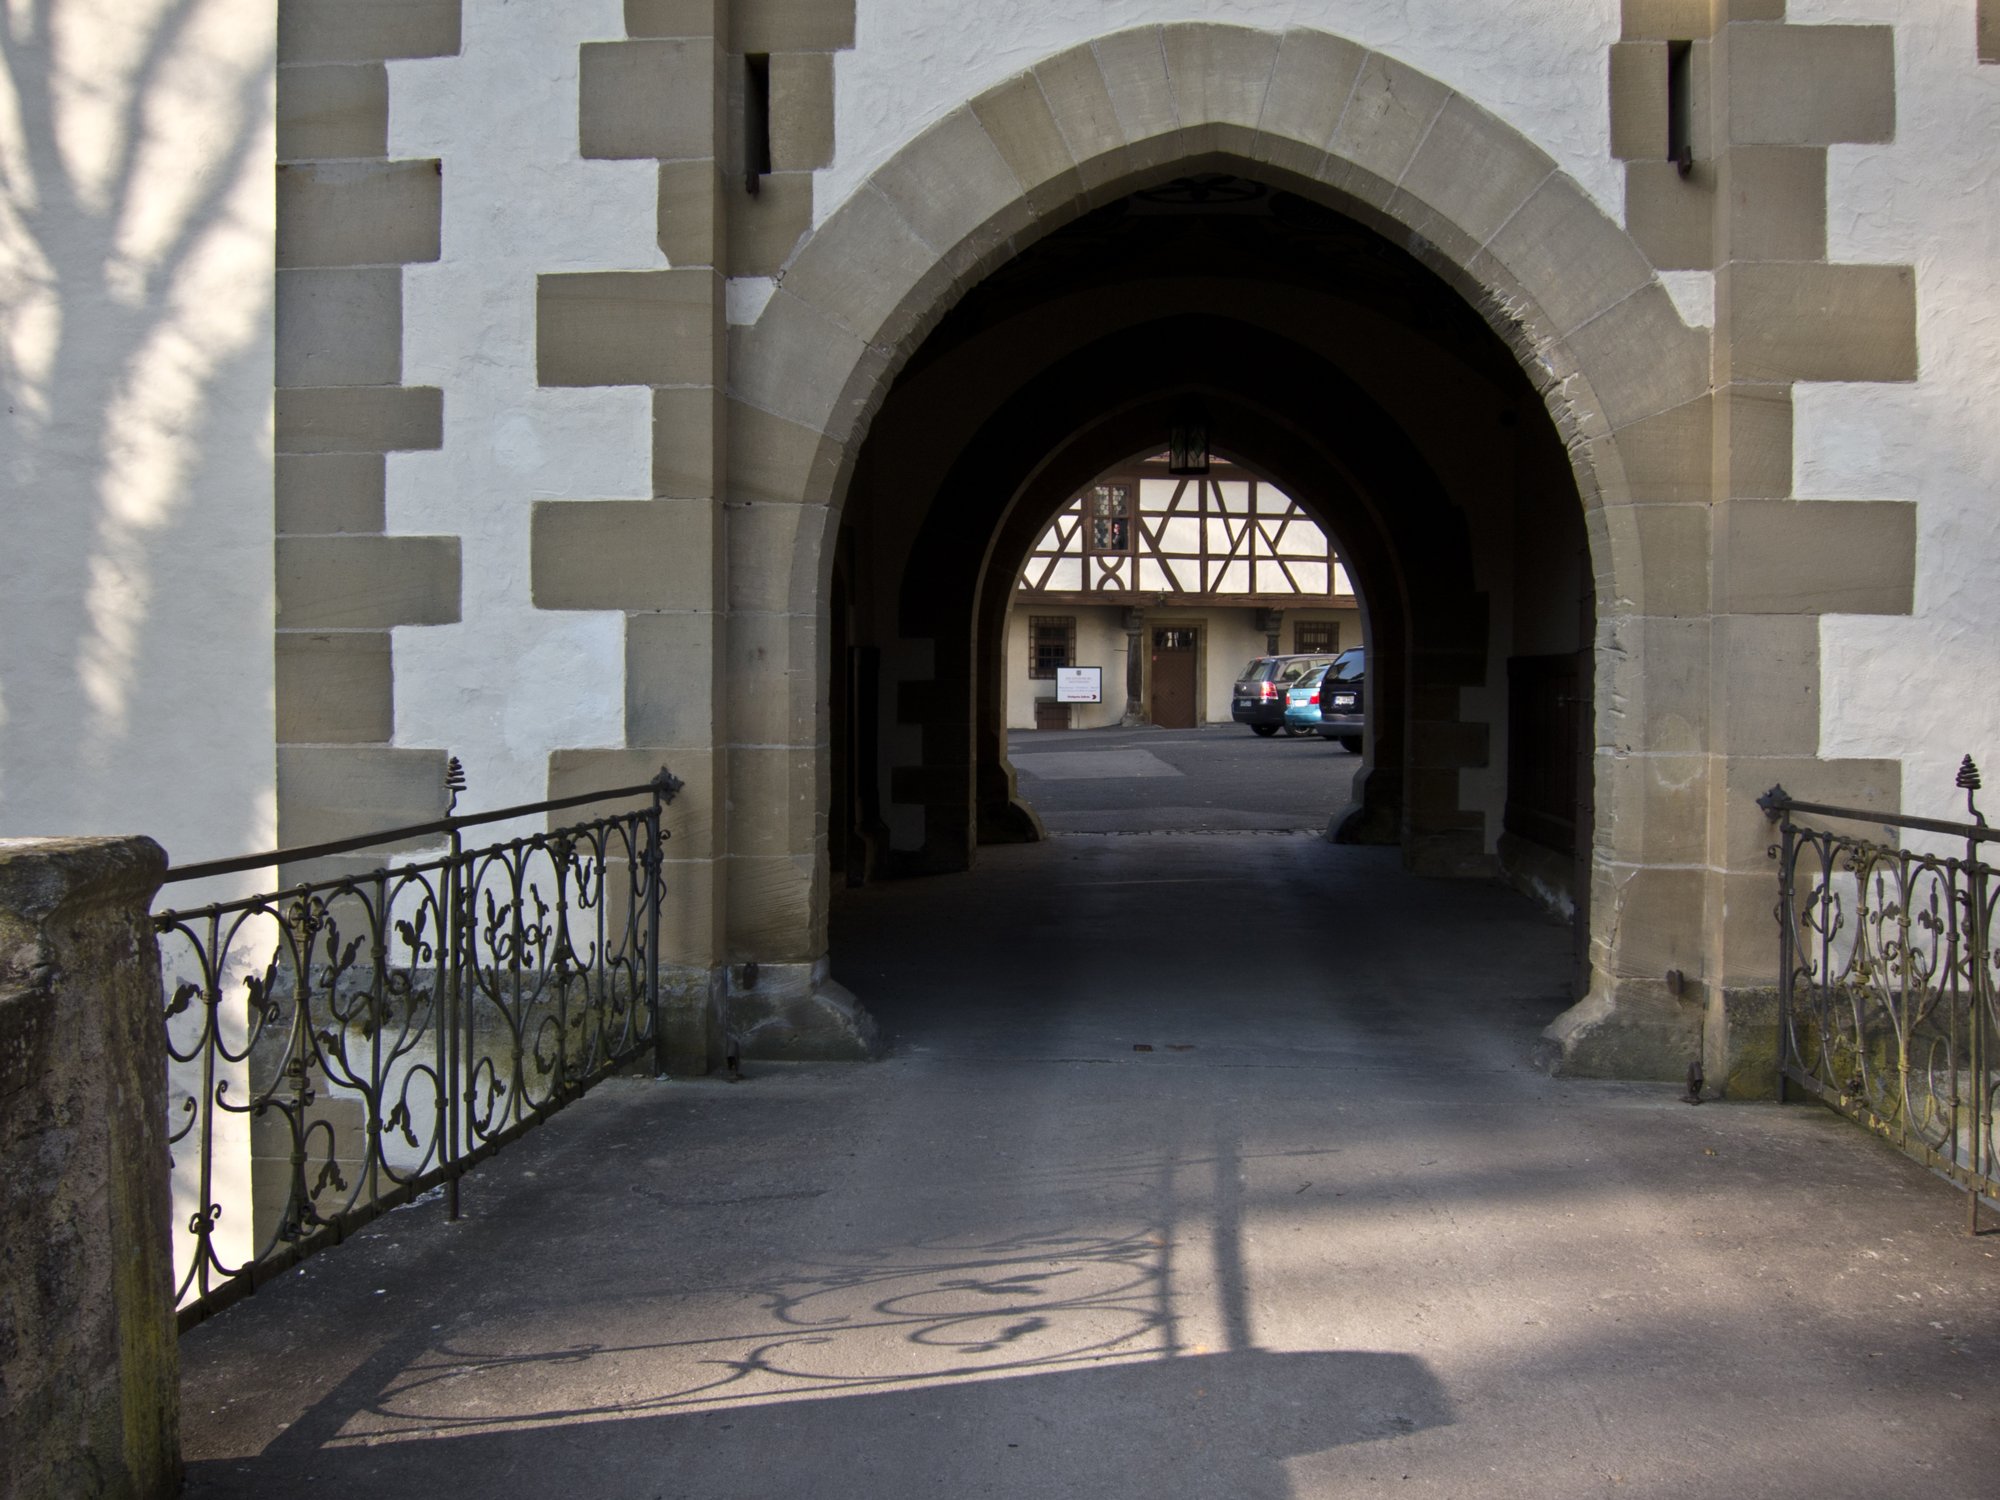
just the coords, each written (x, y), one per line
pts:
(1302, 703)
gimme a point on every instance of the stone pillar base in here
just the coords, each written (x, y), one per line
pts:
(1639, 1030)
(797, 1013)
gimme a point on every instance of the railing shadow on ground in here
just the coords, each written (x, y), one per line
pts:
(1130, 1429)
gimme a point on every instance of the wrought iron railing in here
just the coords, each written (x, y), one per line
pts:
(351, 1040)
(1886, 982)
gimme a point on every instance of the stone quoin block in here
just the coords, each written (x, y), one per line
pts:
(688, 440)
(627, 327)
(700, 18)
(690, 819)
(1639, 100)
(1766, 685)
(673, 668)
(324, 31)
(1805, 321)
(624, 554)
(335, 689)
(320, 493)
(774, 908)
(339, 792)
(333, 110)
(792, 25)
(1811, 85)
(1673, 557)
(801, 110)
(1871, 785)
(654, 98)
(1775, 197)
(1753, 425)
(358, 213)
(367, 582)
(773, 555)
(359, 419)
(1817, 557)
(690, 220)
(1989, 31)
(1679, 20)
(771, 672)
(339, 327)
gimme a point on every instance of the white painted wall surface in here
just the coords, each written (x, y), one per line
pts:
(136, 243)
(1920, 689)
(509, 683)
(1538, 64)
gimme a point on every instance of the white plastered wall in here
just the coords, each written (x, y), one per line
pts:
(1920, 688)
(509, 682)
(1543, 70)
(137, 232)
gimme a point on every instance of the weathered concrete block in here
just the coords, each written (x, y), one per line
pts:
(764, 230)
(89, 1364)
(703, 18)
(1388, 113)
(1309, 87)
(358, 419)
(1511, 170)
(673, 677)
(688, 438)
(691, 223)
(1679, 20)
(791, 25)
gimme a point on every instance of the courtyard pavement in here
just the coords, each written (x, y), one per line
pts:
(1199, 1165)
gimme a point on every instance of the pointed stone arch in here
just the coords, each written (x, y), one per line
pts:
(1625, 383)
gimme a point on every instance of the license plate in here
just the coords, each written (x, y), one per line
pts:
(1343, 700)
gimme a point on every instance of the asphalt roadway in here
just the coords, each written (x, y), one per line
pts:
(1146, 1200)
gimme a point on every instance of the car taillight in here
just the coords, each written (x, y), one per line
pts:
(1267, 690)
(1313, 701)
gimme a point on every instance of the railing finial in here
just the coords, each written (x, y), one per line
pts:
(454, 782)
(1968, 781)
(1773, 802)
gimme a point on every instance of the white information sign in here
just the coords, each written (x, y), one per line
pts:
(1079, 684)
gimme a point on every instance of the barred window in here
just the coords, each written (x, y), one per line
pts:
(1316, 635)
(1051, 644)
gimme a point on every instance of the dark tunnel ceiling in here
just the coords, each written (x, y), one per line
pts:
(1228, 227)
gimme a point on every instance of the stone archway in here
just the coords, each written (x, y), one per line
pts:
(1624, 382)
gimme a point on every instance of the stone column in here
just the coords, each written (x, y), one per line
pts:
(1273, 623)
(1135, 668)
(89, 1365)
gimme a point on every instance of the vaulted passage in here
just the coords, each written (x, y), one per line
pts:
(1317, 356)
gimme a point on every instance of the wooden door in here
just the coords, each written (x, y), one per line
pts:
(1174, 677)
